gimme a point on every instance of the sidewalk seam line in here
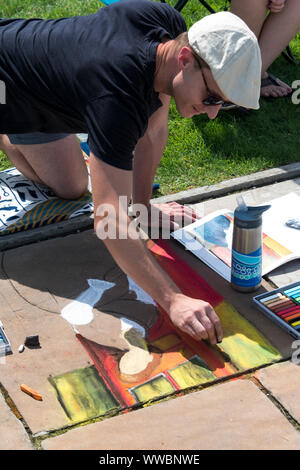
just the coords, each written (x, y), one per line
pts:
(14, 409)
(220, 380)
(277, 403)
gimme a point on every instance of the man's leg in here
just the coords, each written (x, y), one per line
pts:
(58, 164)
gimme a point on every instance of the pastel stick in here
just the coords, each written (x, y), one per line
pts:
(271, 297)
(293, 290)
(275, 303)
(284, 305)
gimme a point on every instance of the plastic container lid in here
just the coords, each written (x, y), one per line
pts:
(250, 218)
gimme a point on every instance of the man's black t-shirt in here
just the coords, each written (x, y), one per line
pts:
(90, 74)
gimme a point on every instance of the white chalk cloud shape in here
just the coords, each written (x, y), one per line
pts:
(80, 311)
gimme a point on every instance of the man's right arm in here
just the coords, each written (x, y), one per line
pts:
(193, 316)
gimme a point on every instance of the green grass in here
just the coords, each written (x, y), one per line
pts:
(200, 151)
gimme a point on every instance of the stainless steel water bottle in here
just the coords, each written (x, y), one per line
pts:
(246, 261)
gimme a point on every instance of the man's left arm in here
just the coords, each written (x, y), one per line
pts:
(147, 156)
(148, 153)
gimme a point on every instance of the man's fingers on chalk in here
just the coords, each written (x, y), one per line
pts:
(219, 331)
(209, 328)
(199, 329)
(213, 317)
(189, 330)
(212, 324)
(194, 328)
(216, 323)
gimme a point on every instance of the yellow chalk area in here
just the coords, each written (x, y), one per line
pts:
(83, 394)
(245, 345)
(166, 342)
(158, 386)
(191, 373)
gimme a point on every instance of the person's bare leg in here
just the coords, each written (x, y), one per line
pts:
(266, 28)
(253, 12)
(59, 164)
(278, 30)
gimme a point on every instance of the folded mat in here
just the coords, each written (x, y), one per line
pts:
(25, 205)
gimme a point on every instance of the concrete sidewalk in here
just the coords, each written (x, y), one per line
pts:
(235, 415)
(260, 409)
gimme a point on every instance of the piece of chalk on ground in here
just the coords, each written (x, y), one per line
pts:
(32, 341)
(31, 392)
(21, 348)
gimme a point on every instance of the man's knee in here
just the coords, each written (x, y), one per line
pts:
(5, 143)
(71, 193)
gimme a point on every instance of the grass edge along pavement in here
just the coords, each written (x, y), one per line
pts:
(190, 196)
(201, 152)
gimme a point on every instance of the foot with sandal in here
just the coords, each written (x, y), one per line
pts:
(275, 23)
(273, 87)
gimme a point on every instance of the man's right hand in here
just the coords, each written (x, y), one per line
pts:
(196, 318)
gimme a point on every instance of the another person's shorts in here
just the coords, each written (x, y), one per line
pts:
(34, 138)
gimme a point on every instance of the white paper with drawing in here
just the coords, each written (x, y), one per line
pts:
(210, 238)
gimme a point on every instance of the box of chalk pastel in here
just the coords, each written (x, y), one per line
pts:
(283, 307)
(5, 347)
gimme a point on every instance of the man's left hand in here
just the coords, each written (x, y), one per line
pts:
(172, 215)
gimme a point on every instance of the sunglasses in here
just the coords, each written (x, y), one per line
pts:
(211, 100)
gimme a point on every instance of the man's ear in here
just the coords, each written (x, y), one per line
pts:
(185, 57)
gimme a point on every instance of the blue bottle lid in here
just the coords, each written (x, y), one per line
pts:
(249, 217)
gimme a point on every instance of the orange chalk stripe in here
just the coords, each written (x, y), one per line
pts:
(31, 392)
